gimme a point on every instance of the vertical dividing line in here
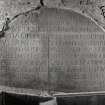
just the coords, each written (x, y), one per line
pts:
(48, 63)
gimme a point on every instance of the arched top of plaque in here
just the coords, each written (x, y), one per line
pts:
(53, 49)
(55, 18)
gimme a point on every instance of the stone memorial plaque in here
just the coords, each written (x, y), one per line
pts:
(53, 49)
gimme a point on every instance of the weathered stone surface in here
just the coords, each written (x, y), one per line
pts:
(10, 8)
(54, 49)
(87, 7)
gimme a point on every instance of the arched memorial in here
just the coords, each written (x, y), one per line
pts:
(53, 49)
